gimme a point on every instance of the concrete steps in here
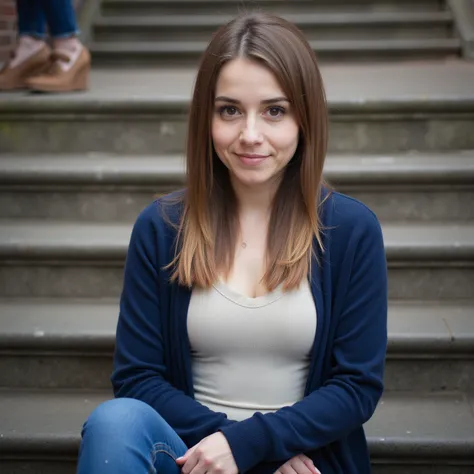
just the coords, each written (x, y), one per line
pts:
(315, 26)
(68, 344)
(41, 431)
(186, 7)
(159, 127)
(188, 52)
(75, 169)
(384, 109)
(402, 187)
(156, 31)
(70, 259)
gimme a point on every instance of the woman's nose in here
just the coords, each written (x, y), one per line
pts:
(250, 133)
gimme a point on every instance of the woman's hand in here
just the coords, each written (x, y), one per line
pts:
(210, 456)
(300, 464)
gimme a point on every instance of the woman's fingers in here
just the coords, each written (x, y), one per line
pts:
(181, 461)
(190, 464)
(309, 464)
(300, 467)
(300, 464)
(200, 468)
(286, 469)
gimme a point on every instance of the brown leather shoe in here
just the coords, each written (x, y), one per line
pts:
(55, 79)
(14, 78)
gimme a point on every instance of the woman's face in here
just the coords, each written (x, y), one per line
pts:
(254, 130)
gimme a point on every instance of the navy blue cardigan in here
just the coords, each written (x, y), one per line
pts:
(152, 359)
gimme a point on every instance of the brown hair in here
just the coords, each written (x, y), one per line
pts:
(209, 225)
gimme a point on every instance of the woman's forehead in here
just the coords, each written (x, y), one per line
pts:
(245, 78)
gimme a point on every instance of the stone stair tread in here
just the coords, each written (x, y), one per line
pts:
(63, 239)
(88, 326)
(427, 85)
(239, 3)
(197, 2)
(429, 167)
(216, 6)
(322, 46)
(104, 169)
(420, 425)
(35, 239)
(300, 18)
(339, 3)
(408, 239)
(58, 324)
(412, 425)
(420, 327)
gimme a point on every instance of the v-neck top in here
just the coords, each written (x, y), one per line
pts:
(250, 354)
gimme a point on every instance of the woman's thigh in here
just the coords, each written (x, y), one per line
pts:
(124, 436)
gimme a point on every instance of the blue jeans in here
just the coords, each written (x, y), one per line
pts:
(34, 15)
(127, 436)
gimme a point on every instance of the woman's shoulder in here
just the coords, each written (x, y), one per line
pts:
(164, 210)
(158, 222)
(343, 216)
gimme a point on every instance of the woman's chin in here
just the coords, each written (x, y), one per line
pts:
(252, 179)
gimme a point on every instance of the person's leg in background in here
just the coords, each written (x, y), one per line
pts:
(70, 59)
(31, 54)
(125, 436)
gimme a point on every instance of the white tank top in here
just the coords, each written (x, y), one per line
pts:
(250, 354)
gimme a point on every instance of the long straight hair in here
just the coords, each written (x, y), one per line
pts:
(209, 226)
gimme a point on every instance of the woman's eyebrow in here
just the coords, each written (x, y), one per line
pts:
(229, 100)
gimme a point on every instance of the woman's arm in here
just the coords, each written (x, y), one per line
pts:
(139, 368)
(350, 395)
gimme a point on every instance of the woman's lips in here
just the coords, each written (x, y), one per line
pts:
(252, 160)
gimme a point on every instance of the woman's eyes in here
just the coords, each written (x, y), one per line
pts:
(279, 111)
(230, 111)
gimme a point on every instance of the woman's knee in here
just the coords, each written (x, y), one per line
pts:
(130, 436)
(120, 416)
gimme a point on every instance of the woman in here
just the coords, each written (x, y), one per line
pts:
(252, 328)
(33, 64)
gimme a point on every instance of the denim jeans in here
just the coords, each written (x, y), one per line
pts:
(58, 15)
(127, 436)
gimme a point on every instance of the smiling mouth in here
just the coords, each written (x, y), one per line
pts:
(252, 156)
(252, 159)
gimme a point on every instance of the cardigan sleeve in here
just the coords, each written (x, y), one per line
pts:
(139, 367)
(349, 396)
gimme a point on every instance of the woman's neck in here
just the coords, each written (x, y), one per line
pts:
(255, 199)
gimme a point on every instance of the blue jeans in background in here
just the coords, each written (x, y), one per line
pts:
(127, 436)
(58, 15)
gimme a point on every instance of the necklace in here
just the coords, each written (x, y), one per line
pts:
(244, 245)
